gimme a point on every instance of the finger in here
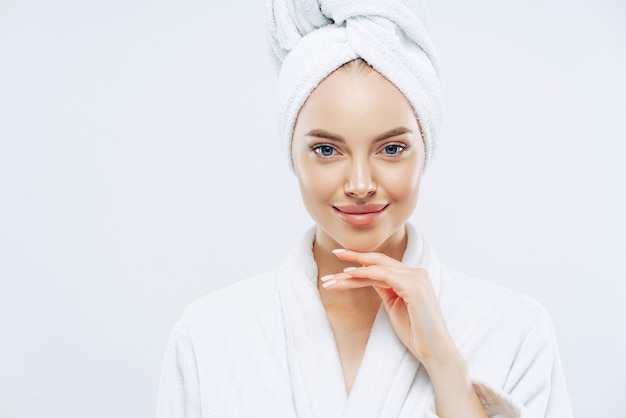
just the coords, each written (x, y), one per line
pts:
(397, 278)
(332, 279)
(387, 295)
(366, 259)
(350, 283)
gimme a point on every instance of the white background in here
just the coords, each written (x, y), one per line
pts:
(139, 170)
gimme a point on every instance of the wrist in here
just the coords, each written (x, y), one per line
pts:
(454, 392)
(447, 366)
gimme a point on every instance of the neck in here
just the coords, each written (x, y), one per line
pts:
(355, 300)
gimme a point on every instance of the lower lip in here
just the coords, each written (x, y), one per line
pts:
(360, 219)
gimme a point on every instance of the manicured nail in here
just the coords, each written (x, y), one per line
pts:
(330, 283)
(349, 269)
(327, 278)
(339, 250)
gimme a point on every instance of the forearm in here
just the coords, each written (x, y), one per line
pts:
(454, 392)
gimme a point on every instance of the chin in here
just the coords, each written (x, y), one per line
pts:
(362, 247)
(364, 239)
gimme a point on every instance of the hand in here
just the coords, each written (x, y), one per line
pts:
(413, 309)
(408, 296)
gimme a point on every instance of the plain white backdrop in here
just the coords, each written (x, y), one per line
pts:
(139, 170)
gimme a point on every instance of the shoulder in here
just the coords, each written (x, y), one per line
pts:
(469, 300)
(508, 342)
(250, 299)
(490, 293)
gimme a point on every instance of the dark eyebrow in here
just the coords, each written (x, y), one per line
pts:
(400, 130)
(320, 133)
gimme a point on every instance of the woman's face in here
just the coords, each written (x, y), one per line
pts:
(358, 155)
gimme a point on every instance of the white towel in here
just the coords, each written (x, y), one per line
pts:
(309, 39)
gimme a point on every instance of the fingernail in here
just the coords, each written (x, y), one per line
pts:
(327, 278)
(349, 269)
(330, 283)
(339, 250)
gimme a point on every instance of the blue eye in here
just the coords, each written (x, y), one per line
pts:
(393, 149)
(325, 150)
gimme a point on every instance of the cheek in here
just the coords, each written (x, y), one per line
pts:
(317, 183)
(402, 184)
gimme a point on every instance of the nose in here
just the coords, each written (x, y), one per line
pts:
(360, 182)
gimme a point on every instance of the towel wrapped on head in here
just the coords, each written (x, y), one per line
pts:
(309, 39)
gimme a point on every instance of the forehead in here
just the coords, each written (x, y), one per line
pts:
(356, 104)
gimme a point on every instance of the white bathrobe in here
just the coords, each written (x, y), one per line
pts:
(264, 348)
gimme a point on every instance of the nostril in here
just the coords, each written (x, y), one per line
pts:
(360, 190)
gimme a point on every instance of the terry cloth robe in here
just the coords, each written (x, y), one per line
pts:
(263, 347)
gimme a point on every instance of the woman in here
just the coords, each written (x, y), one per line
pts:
(361, 319)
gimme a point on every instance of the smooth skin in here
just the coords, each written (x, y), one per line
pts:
(357, 142)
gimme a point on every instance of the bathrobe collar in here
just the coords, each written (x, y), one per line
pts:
(387, 368)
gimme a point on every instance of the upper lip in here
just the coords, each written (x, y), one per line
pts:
(360, 209)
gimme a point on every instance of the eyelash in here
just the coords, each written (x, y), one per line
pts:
(401, 147)
(317, 149)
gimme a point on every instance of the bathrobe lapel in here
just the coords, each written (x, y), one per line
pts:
(385, 374)
(387, 369)
(314, 366)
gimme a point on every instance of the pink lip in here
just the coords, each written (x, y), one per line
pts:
(361, 215)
